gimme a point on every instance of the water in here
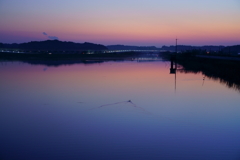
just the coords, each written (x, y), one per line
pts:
(115, 110)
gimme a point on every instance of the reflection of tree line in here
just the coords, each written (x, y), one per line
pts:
(65, 59)
(69, 59)
(227, 72)
(57, 63)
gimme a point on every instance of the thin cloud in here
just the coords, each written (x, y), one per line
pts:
(50, 37)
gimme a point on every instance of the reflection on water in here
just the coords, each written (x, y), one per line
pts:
(56, 63)
(61, 62)
(115, 110)
(120, 105)
(225, 72)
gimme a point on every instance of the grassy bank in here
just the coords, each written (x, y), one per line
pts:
(24, 56)
(225, 71)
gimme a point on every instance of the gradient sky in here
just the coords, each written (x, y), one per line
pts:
(132, 22)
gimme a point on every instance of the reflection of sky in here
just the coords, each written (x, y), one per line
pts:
(60, 110)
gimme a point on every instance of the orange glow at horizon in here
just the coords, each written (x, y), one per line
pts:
(201, 22)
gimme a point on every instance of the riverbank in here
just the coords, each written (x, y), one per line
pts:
(219, 57)
(105, 56)
(224, 69)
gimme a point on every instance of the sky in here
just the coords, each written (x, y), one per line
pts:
(131, 22)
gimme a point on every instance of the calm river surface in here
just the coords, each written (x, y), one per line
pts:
(125, 110)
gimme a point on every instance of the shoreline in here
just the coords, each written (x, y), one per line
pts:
(219, 57)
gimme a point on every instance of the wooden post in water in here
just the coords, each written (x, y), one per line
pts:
(173, 67)
(173, 61)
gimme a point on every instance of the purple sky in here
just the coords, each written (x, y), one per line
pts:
(132, 22)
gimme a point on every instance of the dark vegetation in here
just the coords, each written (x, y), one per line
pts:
(54, 45)
(231, 49)
(183, 48)
(66, 59)
(207, 50)
(123, 47)
(225, 71)
(47, 56)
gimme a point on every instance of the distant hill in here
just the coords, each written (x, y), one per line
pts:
(232, 49)
(1, 45)
(123, 47)
(55, 45)
(187, 47)
(167, 48)
(6, 45)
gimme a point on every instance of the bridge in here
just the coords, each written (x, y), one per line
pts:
(143, 51)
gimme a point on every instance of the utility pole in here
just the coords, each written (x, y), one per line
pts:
(176, 45)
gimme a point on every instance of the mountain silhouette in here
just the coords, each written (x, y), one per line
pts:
(123, 47)
(189, 48)
(55, 45)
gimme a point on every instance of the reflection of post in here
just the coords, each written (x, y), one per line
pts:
(173, 69)
(176, 46)
(203, 80)
(175, 82)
